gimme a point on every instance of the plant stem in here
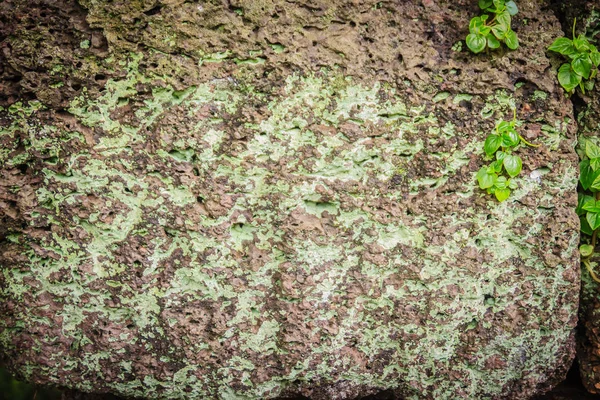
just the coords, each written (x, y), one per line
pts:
(590, 270)
(491, 21)
(574, 23)
(527, 143)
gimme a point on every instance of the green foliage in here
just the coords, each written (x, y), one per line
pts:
(583, 65)
(588, 205)
(499, 146)
(490, 32)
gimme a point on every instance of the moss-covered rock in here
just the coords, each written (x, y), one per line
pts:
(278, 198)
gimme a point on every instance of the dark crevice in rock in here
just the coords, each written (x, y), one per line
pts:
(570, 388)
(587, 113)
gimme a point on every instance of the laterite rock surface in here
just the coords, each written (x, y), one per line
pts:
(266, 199)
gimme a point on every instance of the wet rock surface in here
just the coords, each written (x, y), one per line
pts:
(277, 199)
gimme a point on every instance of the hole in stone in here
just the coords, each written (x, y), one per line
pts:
(466, 104)
(153, 11)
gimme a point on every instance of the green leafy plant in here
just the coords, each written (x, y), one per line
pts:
(584, 61)
(499, 146)
(490, 32)
(588, 206)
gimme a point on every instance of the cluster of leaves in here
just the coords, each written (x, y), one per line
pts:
(588, 207)
(499, 146)
(584, 61)
(486, 32)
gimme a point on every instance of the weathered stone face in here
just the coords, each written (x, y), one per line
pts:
(278, 198)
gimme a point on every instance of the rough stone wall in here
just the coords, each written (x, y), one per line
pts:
(255, 199)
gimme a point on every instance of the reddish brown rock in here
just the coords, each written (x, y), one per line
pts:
(265, 198)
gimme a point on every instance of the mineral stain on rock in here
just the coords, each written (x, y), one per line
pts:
(268, 199)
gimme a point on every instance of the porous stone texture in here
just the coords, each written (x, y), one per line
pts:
(267, 199)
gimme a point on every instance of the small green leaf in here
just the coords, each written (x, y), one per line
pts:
(503, 126)
(581, 43)
(568, 78)
(586, 250)
(501, 182)
(502, 194)
(500, 155)
(510, 138)
(499, 4)
(591, 150)
(595, 186)
(481, 173)
(581, 200)
(582, 65)
(476, 43)
(475, 25)
(512, 184)
(593, 220)
(585, 226)
(563, 46)
(595, 163)
(513, 165)
(499, 31)
(587, 175)
(512, 8)
(589, 85)
(492, 42)
(492, 143)
(592, 205)
(496, 166)
(483, 4)
(595, 57)
(485, 179)
(512, 41)
(504, 20)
